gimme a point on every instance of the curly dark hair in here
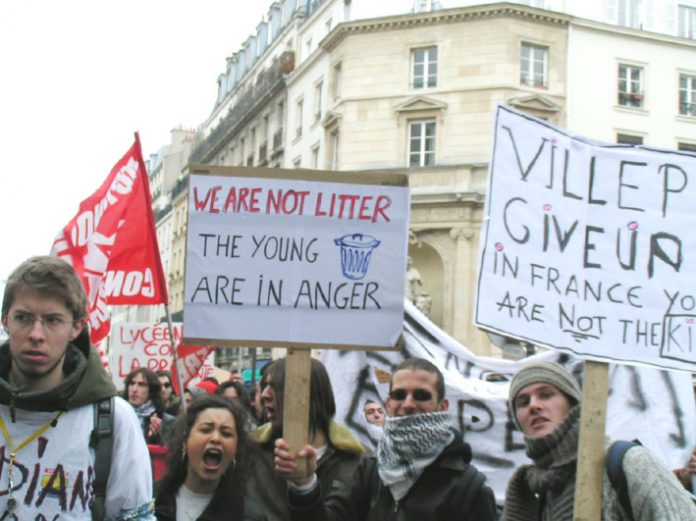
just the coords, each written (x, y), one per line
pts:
(230, 485)
(154, 387)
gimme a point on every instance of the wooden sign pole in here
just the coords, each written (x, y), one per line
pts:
(296, 402)
(590, 470)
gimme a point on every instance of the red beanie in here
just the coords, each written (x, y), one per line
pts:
(208, 386)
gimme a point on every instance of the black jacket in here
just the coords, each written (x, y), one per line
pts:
(220, 508)
(449, 489)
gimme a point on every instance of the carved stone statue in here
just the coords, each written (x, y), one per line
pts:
(415, 291)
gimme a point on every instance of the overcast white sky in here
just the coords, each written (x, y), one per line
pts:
(79, 77)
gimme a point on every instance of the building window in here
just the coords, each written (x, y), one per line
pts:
(317, 101)
(328, 24)
(421, 6)
(334, 150)
(299, 105)
(687, 147)
(421, 148)
(315, 156)
(629, 13)
(687, 95)
(630, 86)
(242, 145)
(629, 139)
(687, 21)
(424, 70)
(336, 81)
(297, 162)
(533, 65)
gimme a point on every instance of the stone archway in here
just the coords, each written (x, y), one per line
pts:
(425, 280)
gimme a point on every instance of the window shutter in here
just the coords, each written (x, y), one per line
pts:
(610, 12)
(649, 19)
(671, 17)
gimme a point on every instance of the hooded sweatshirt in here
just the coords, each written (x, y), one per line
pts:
(54, 468)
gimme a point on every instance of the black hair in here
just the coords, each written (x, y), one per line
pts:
(424, 365)
(154, 387)
(177, 462)
(322, 406)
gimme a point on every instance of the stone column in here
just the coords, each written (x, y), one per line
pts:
(464, 289)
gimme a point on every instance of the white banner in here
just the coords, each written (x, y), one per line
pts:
(653, 405)
(588, 247)
(294, 261)
(135, 345)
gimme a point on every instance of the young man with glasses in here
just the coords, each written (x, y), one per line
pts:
(50, 378)
(421, 472)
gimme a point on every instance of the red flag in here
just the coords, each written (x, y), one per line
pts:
(112, 243)
(189, 360)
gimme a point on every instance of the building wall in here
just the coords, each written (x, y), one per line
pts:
(593, 109)
(364, 125)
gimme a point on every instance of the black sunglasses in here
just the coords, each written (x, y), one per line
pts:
(166, 386)
(419, 395)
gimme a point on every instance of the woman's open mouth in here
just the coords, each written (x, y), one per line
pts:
(212, 459)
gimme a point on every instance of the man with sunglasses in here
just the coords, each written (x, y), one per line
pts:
(421, 471)
(168, 393)
(50, 379)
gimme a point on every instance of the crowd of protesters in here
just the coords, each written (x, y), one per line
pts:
(227, 459)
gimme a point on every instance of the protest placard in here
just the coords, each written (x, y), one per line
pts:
(654, 405)
(587, 247)
(135, 345)
(295, 258)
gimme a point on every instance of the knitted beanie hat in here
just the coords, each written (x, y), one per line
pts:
(543, 372)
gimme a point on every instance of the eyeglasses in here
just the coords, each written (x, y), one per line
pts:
(419, 395)
(166, 386)
(26, 321)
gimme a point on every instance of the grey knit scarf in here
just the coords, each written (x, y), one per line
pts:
(552, 476)
(409, 444)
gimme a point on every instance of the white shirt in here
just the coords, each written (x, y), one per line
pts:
(53, 474)
(190, 505)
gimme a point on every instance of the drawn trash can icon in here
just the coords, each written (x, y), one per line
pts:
(356, 251)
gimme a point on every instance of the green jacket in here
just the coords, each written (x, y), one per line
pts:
(86, 381)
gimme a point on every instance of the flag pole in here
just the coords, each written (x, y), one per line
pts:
(175, 362)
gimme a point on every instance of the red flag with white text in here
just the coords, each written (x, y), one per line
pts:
(112, 243)
(189, 360)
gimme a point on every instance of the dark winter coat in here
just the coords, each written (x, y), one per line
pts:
(219, 508)
(448, 489)
(342, 457)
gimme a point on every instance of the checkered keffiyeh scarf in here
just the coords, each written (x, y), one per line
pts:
(409, 445)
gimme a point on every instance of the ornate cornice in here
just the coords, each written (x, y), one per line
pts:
(442, 16)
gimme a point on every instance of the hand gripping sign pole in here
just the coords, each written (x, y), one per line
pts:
(297, 259)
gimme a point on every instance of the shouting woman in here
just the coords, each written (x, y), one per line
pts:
(203, 480)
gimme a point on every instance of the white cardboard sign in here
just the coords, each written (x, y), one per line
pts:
(589, 247)
(135, 345)
(294, 259)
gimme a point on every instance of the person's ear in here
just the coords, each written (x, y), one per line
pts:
(443, 405)
(77, 328)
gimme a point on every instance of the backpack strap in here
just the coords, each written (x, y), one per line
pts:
(615, 471)
(102, 441)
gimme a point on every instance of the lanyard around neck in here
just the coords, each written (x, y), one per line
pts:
(14, 450)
